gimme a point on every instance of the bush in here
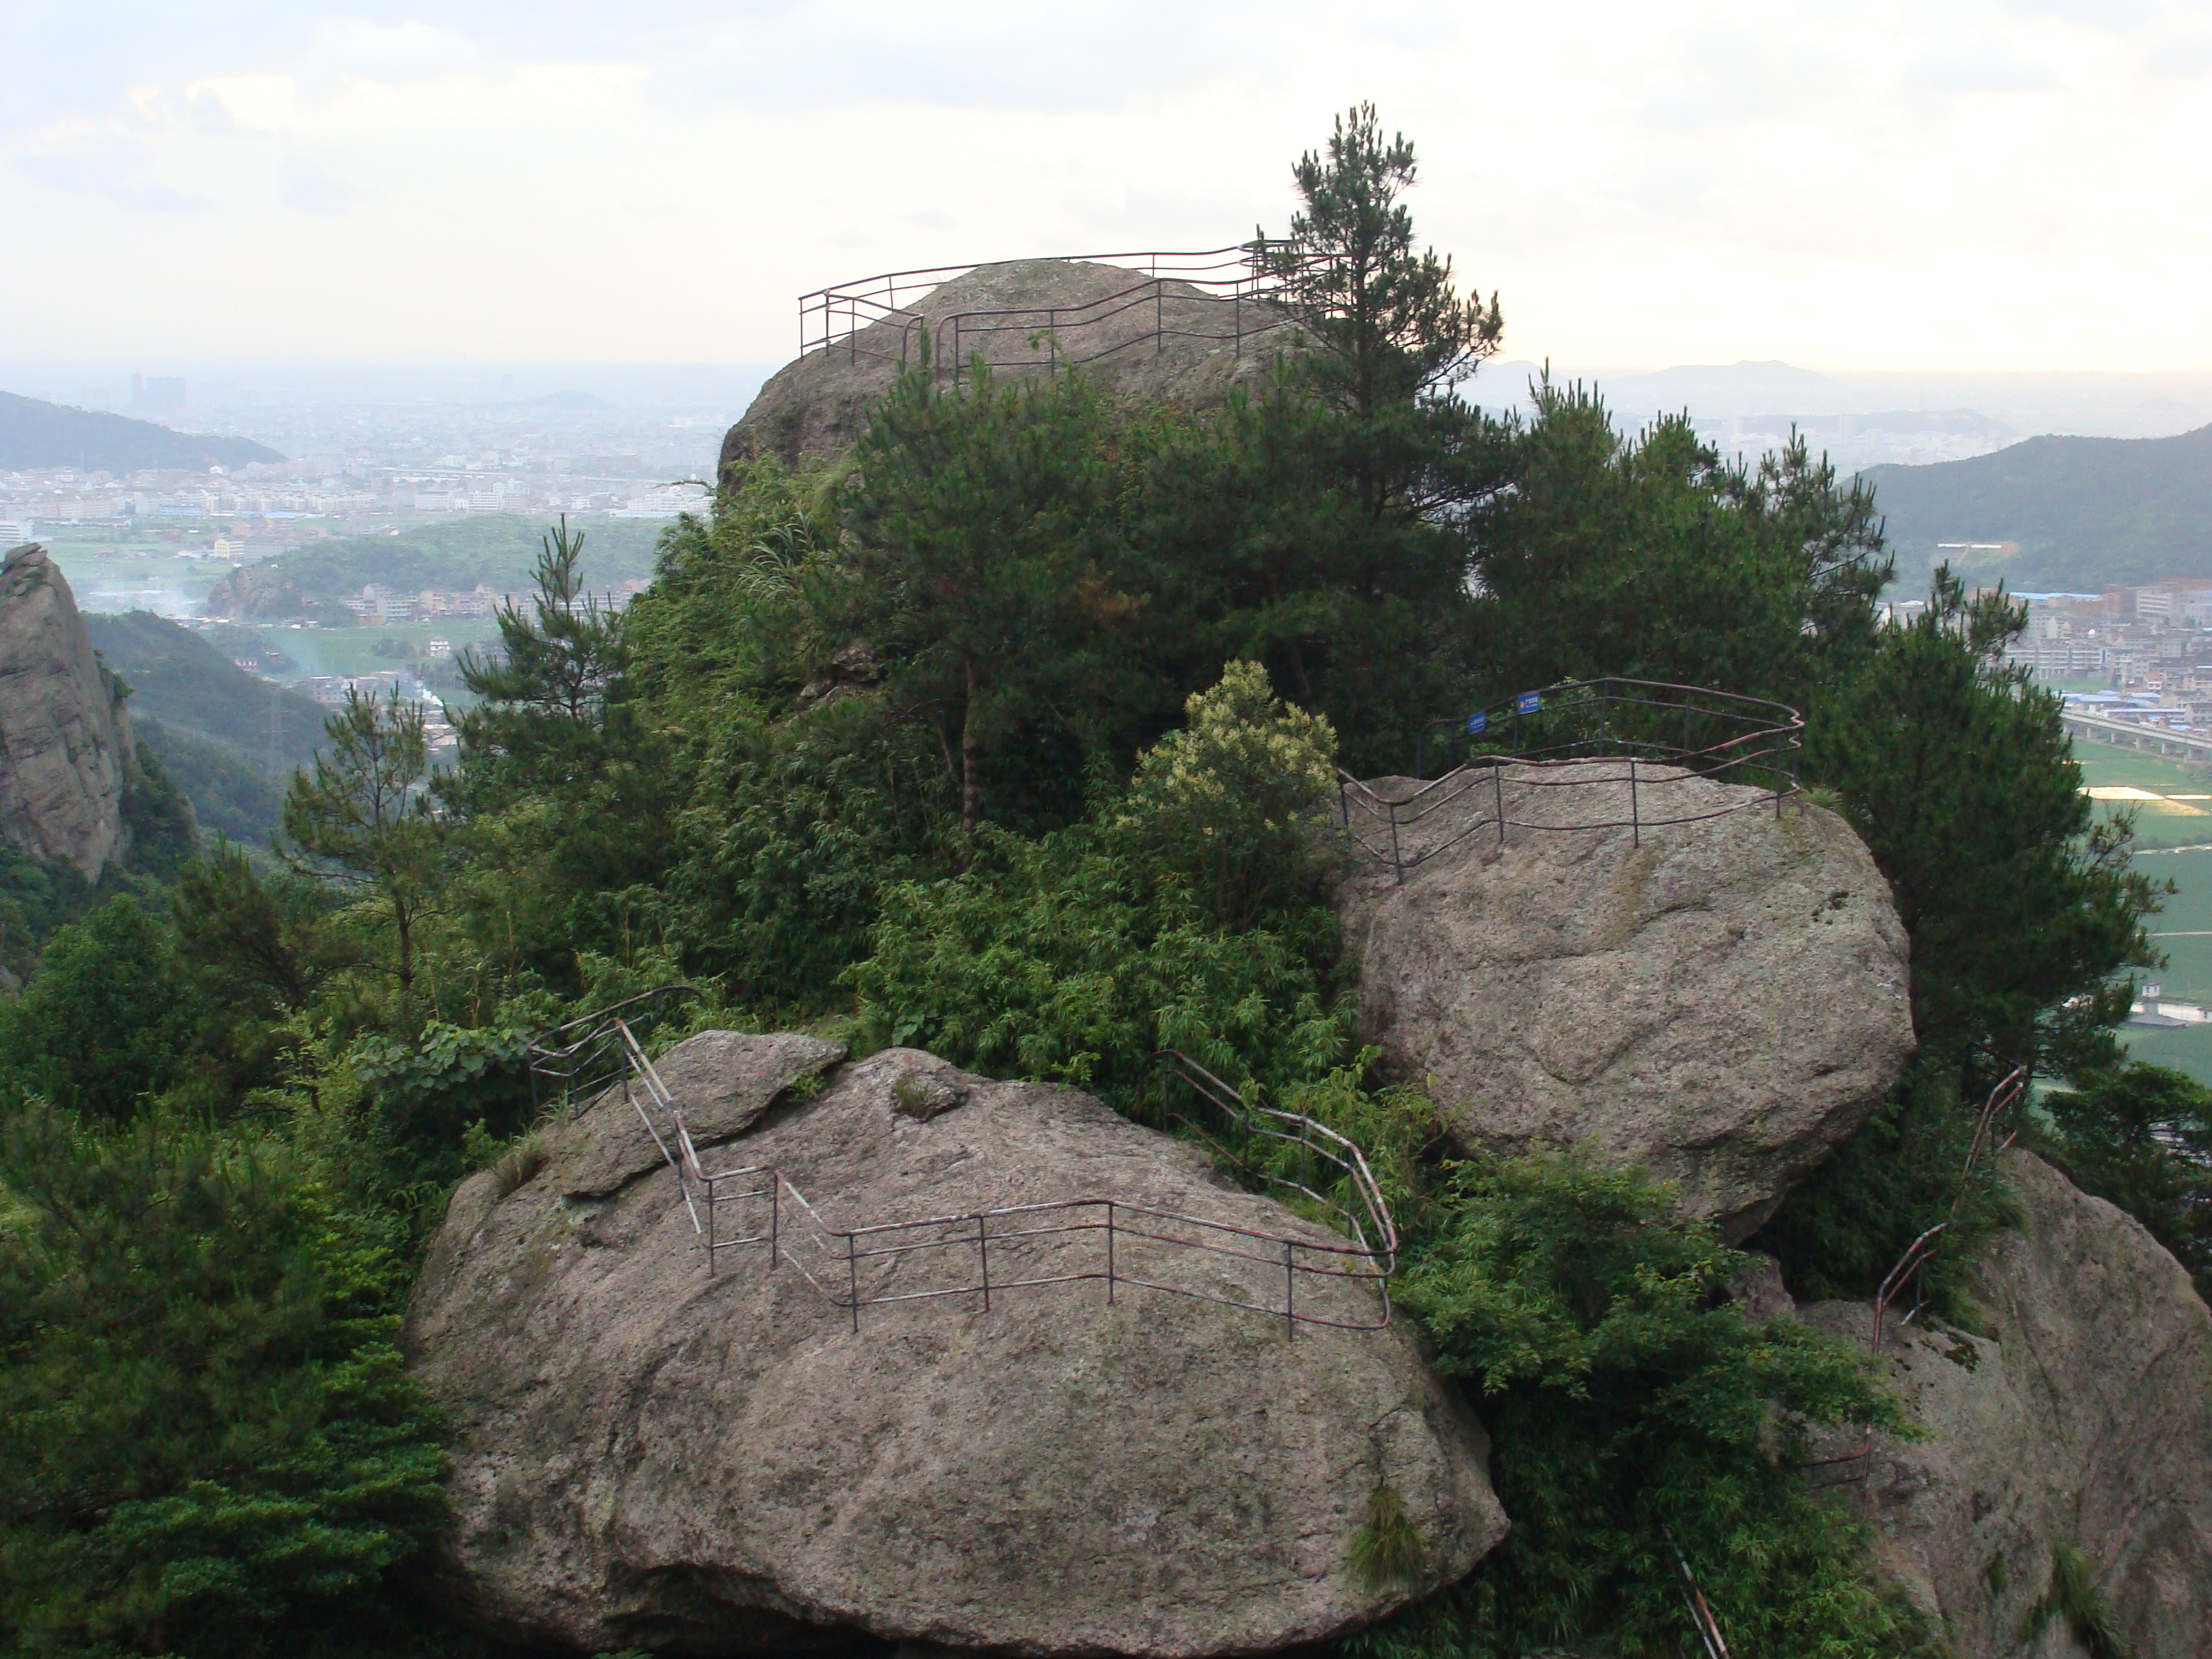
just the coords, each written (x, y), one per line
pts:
(1183, 916)
(107, 1019)
(1058, 960)
(1228, 804)
(1630, 1409)
(207, 1444)
(2140, 1137)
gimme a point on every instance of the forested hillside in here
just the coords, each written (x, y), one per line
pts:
(1011, 735)
(227, 739)
(2086, 511)
(41, 434)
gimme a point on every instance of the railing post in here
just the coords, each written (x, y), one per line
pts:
(1397, 862)
(1289, 1291)
(710, 1228)
(1635, 815)
(983, 1255)
(1497, 776)
(775, 1214)
(1110, 1252)
(852, 1280)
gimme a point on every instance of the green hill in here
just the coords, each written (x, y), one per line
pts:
(227, 739)
(2086, 511)
(36, 435)
(498, 549)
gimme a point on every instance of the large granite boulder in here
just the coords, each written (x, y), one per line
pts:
(1723, 1000)
(650, 1455)
(1168, 349)
(2083, 1418)
(65, 744)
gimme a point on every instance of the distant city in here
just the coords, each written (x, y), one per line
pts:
(379, 452)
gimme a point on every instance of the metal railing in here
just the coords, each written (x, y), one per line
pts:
(1855, 1469)
(1649, 734)
(1116, 1241)
(1215, 293)
(584, 1056)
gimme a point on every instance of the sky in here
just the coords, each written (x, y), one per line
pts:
(1986, 185)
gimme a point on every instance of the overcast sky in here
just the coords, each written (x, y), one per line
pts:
(1863, 183)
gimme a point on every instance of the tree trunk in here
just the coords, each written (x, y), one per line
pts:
(971, 791)
(406, 949)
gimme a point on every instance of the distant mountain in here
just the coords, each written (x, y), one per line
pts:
(2086, 511)
(38, 434)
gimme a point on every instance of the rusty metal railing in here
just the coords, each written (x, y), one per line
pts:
(1214, 294)
(1116, 1242)
(1855, 1469)
(583, 1056)
(1649, 734)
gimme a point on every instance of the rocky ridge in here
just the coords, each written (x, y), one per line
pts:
(649, 1455)
(63, 731)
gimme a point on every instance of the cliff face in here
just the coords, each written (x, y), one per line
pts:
(65, 739)
(2083, 1420)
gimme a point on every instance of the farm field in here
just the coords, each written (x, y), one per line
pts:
(354, 650)
(2173, 841)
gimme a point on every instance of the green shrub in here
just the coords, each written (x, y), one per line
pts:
(207, 1444)
(1228, 804)
(1058, 960)
(1628, 1405)
(2140, 1137)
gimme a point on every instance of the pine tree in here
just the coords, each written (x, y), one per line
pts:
(364, 818)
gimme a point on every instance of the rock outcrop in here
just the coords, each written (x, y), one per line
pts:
(1171, 350)
(65, 744)
(2083, 1420)
(649, 1455)
(1724, 1001)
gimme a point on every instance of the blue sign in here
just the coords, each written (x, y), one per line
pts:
(1528, 702)
(1476, 722)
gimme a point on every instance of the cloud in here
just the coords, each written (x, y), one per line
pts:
(1846, 180)
(113, 167)
(306, 188)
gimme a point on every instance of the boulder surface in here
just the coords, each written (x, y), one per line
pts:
(65, 736)
(650, 1455)
(1165, 350)
(2082, 1419)
(1723, 1000)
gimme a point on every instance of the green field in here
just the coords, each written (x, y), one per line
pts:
(2172, 842)
(353, 650)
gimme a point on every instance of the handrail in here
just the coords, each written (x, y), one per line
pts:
(883, 1248)
(1912, 1268)
(839, 314)
(595, 1056)
(1756, 736)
